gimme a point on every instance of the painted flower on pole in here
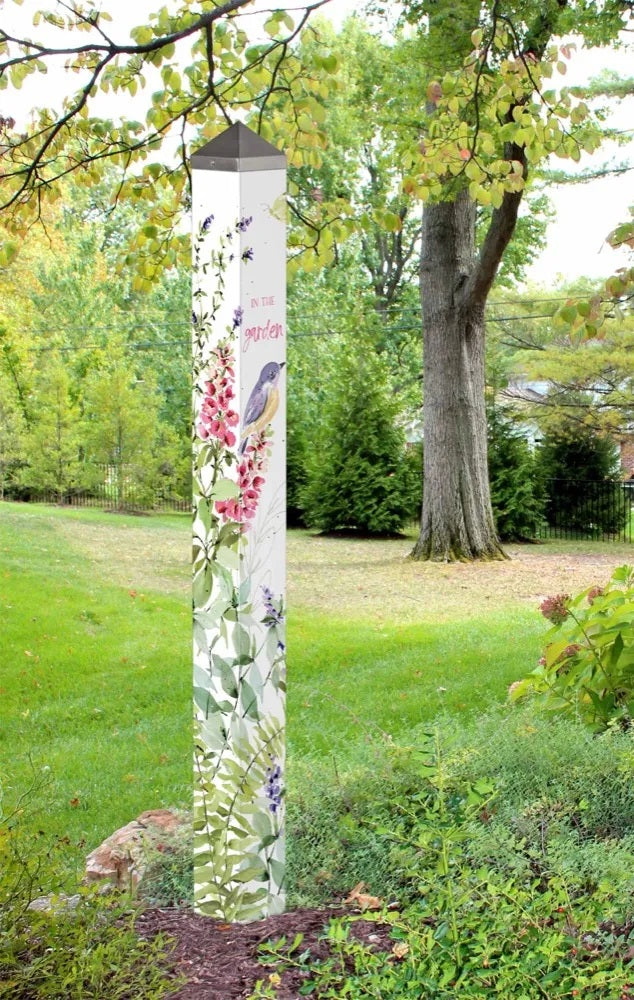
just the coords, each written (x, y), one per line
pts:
(217, 415)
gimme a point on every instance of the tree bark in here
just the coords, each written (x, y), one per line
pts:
(457, 519)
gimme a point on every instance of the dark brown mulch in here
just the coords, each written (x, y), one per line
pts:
(220, 961)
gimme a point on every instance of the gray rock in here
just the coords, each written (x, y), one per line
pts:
(55, 904)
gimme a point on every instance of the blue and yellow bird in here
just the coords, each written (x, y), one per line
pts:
(263, 402)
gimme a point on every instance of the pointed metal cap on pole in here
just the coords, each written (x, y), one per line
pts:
(238, 149)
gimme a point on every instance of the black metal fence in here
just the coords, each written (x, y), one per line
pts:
(113, 488)
(573, 510)
(103, 498)
(601, 511)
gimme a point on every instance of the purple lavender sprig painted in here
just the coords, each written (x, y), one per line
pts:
(206, 224)
(238, 314)
(247, 254)
(273, 785)
(243, 224)
(274, 616)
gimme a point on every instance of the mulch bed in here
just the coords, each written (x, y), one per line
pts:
(220, 961)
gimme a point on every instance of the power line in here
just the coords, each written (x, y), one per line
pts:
(524, 301)
(144, 345)
(392, 307)
(510, 319)
(159, 344)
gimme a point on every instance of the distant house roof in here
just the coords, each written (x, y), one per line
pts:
(526, 390)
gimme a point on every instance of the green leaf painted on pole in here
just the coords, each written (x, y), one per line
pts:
(244, 591)
(254, 873)
(226, 489)
(202, 586)
(204, 512)
(228, 558)
(208, 704)
(249, 701)
(278, 872)
(242, 641)
(200, 637)
(229, 681)
(262, 823)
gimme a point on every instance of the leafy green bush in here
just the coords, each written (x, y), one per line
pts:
(360, 477)
(77, 948)
(564, 806)
(473, 936)
(587, 669)
(581, 477)
(474, 929)
(567, 794)
(572, 451)
(91, 951)
(561, 794)
(517, 497)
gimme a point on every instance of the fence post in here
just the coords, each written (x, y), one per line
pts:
(239, 470)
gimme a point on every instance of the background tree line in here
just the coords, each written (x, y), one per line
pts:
(95, 375)
(95, 355)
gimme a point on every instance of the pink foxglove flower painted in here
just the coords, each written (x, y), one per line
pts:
(217, 416)
(250, 479)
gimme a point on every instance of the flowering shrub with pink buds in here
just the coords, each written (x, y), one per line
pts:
(587, 669)
(555, 609)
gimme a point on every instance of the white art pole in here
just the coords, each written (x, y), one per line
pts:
(239, 430)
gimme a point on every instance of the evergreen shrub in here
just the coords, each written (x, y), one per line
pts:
(517, 496)
(581, 475)
(360, 477)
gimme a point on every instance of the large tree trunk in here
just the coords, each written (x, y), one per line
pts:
(457, 520)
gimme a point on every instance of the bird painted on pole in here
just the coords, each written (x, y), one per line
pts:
(263, 401)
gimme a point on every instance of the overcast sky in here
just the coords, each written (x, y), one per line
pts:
(585, 213)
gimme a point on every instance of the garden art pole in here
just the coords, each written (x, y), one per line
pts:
(239, 315)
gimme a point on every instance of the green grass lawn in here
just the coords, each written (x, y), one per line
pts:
(95, 653)
(94, 677)
(349, 680)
